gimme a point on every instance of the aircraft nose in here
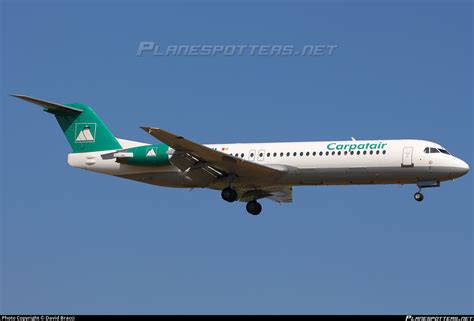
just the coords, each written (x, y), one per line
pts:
(462, 167)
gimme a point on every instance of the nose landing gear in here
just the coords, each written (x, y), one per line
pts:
(418, 196)
(424, 184)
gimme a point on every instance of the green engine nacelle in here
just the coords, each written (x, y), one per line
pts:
(149, 155)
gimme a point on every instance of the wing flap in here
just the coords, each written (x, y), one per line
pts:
(203, 176)
(183, 161)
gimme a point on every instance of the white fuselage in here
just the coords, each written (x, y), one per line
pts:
(304, 163)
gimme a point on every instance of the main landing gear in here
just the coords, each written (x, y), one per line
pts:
(228, 194)
(254, 207)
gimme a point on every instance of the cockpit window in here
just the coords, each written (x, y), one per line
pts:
(431, 150)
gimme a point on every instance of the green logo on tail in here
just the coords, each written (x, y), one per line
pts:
(85, 132)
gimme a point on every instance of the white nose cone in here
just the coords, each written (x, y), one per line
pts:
(461, 167)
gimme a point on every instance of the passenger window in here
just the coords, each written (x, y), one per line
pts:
(288, 154)
(242, 155)
(371, 152)
(268, 154)
(274, 154)
(281, 154)
(320, 153)
(327, 153)
(251, 155)
(352, 152)
(314, 153)
(384, 152)
(377, 152)
(358, 152)
(365, 152)
(333, 153)
(345, 152)
(339, 153)
(294, 154)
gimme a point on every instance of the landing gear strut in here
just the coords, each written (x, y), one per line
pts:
(424, 184)
(254, 207)
(229, 194)
(418, 196)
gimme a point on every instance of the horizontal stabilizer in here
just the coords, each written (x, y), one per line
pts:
(50, 105)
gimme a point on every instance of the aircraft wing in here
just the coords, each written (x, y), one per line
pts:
(205, 164)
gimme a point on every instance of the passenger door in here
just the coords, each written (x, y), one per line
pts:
(407, 157)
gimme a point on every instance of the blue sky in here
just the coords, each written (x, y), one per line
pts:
(79, 242)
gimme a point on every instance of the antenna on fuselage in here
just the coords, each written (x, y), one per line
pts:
(353, 139)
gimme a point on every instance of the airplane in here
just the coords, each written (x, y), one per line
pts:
(248, 172)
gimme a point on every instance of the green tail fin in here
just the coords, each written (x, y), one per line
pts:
(83, 129)
(86, 132)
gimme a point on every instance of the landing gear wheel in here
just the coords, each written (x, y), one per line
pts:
(418, 196)
(254, 207)
(229, 194)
